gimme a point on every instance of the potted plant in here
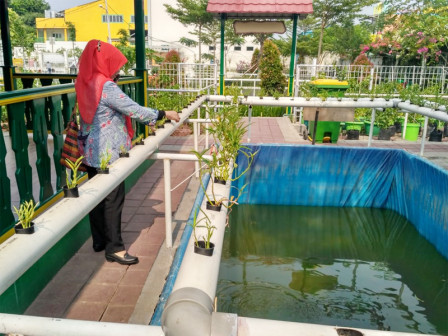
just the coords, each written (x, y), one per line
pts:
(203, 246)
(123, 152)
(139, 140)
(385, 120)
(151, 131)
(25, 215)
(160, 123)
(71, 187)
(104, 162)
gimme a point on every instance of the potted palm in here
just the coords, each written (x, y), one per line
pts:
(72, 179)
(203, 246)
(25, 215)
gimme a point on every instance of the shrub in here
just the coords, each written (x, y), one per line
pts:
(172, 57)
(254, 60)
(271, 69)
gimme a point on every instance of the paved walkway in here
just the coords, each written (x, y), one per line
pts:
(89, 288)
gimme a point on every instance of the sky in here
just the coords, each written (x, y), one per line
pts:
(58, 5)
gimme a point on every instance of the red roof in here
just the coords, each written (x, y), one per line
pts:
(260, 8)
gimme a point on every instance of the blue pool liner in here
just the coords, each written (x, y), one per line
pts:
(350, 177)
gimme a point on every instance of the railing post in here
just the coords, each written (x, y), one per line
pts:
(425, 130)
(372, 125)
(405, 125)
(196, 147)
(372, 72)
(168, 220)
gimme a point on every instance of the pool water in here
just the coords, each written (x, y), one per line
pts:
(353, 267)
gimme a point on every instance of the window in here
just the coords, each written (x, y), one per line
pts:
(133, 19)
(211, 48)
(56, 36)
(113, 18)
(250, 48)
(237, 48)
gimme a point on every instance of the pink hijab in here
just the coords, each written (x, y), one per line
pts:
(98, 62)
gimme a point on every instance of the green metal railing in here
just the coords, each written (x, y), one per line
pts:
(44, 110)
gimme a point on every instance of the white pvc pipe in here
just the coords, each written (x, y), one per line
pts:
(405, 125)
(372, 123)
(178, 156)
(196, 147)
(58, 220)
(425, 130)
(168, 220)
(45, 326)
(425, 111)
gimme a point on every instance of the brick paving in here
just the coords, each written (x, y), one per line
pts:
(89, 288)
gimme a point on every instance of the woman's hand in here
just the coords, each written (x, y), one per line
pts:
(172, 115)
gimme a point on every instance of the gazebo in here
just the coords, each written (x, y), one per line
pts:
(261, 11)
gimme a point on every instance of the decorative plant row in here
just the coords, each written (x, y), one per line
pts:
(72, 178)
(25, 214)
(227, 130)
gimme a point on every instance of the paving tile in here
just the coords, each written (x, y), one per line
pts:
(126, 295)
(134, 277)
(107, 275)
(48, 308)
(98, 292)
(145, 263)
(89, 311)
(119, 314)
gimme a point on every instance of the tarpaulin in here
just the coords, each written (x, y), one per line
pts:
(350, 177)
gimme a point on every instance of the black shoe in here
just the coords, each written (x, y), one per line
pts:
(98, 247)
(126, 260)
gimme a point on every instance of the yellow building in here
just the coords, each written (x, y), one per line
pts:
(90, 21)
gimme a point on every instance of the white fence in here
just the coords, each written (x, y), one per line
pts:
(408, 75)
(183, 77)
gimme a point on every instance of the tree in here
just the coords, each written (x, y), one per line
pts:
(191, 12)
(332, 12)
(29, 10)
(346, 41)
(271, 71)
(127, 50)
(22, 36)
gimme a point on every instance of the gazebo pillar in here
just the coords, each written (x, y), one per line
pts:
(222, 60)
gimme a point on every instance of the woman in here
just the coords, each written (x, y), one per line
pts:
(105, 126)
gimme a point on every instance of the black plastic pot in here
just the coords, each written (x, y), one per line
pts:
(436, 136)
(352, 135)
(213, 206)
(219, 181)
(70, 192)
(20, 230)
(445, 130)
(201, 249)
(123, 155)
(384, 134)
(102, 171)
(397, 125)
(160, 126)
(140, 143)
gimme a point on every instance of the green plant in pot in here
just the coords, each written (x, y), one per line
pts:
(160, 123)
(123, 151)
(385, 120)
(72, 179)
(25, 215)
(104, 162)
(139, 140)
(203, 245)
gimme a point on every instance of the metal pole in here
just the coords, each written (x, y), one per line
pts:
(8, 68)
(250, 118)
(108, 22)
(293, 59)
(425, 130)
(316, 117)
(168, 220)
(196, 147)
(206, 128)
(372, 125)
(221, 64)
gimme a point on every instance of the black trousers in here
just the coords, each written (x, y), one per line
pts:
(105, 218)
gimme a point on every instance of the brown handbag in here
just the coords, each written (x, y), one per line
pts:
(70, 149)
